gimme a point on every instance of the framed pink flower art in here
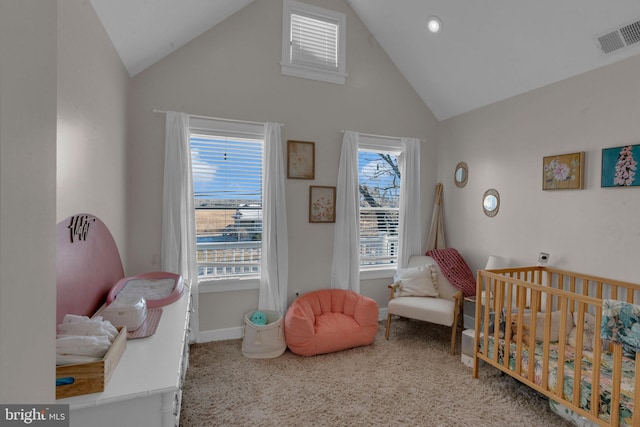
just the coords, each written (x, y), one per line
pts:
(322, 204)
(620, 166)
(563, 172)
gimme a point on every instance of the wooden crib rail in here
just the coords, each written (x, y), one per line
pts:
(550, 276)
(503, 296)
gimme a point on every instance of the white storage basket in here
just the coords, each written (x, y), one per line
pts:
(264, 341)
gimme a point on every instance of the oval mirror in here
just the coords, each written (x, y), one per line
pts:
(461, 174)
(491, 202)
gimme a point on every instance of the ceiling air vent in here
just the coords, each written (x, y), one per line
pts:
(621, 37)
(631, 33)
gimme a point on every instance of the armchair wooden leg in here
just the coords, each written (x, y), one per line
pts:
(457, 317)
(454, 329)
(386, 334)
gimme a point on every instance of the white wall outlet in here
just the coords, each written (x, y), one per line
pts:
(543, 258)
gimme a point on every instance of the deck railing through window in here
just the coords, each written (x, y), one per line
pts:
(378, 250)
(234, 259)
(228, 259)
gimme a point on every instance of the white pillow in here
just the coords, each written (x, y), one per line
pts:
(417, 281)
(556, 318)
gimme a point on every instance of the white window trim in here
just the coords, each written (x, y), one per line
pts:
(374, 143)
(197, 124)
(217, 126)
(377, 272)
(297, 70)
(379, 144)
(227, 284)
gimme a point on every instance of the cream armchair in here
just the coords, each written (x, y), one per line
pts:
(444, 309)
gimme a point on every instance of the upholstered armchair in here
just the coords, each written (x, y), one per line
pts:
(422, 292)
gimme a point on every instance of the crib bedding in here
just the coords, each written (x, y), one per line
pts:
(627, 380)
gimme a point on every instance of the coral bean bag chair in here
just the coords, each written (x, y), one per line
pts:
(330, 320)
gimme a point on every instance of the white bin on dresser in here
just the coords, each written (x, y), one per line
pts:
(146, 387)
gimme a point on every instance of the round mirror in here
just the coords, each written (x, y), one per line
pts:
(461, 174)
(491, 202)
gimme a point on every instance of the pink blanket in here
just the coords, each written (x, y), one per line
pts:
(455, 269)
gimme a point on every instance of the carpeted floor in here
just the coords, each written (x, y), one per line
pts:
(410, 380)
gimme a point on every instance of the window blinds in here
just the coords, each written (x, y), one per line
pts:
(314, 41)
(379, 184)
(227, 169)
(227, 183)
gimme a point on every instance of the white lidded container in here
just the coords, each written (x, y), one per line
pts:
(126, 311)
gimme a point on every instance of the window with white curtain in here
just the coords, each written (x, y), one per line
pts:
(227, 180)
(313, 42)
(379, 183)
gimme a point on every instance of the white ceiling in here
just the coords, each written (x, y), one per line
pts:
(145, 31)
(488, 50)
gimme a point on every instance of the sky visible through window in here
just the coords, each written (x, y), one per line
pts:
(381, 178)
(229, 168)
(226, 168)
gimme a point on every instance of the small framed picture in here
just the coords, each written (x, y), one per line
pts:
(322, 204)
(301, 159)
(620, 167)
(563, 172)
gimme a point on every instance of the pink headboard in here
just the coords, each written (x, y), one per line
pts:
(88, 265)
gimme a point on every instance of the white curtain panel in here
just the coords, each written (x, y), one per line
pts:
(410, 230)
(345, 272)
(275, 252)
(178, 215)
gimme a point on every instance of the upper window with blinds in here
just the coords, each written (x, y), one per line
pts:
(226, 163)
(313, 42)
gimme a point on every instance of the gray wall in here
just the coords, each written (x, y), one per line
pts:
(62, 151)
(27, 200)
(595, 230)
(233, 71)
(92, 116)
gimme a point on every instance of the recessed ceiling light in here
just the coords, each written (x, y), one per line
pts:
(434, 24)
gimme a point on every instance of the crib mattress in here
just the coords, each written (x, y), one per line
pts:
(586, 365)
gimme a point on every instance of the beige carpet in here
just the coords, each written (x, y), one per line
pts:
(410, 380)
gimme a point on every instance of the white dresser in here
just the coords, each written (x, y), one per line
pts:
(146, 387)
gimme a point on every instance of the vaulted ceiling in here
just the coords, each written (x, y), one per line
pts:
(487, 51)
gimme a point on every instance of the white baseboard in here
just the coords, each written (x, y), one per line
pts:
(220, 334)
(236, 332)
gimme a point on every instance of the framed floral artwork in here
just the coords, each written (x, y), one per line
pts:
(619, 166)
(322, 204)
(563, 172)
(301, 159)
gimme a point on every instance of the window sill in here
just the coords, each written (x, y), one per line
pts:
(377, 273)
(296, 70)
(206, 286)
